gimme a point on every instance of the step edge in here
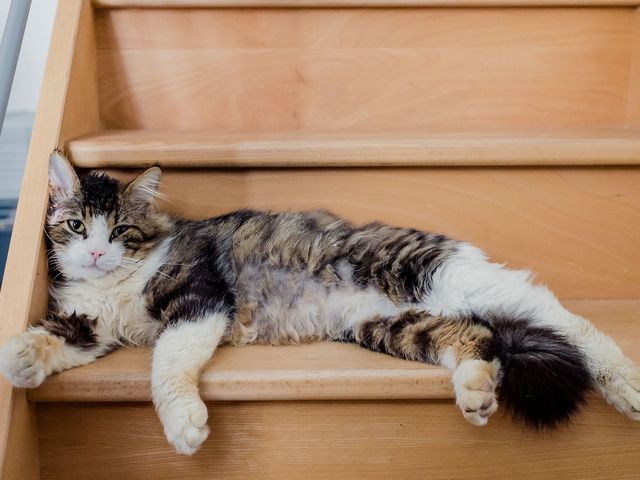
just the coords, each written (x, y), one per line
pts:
(380, 384)
(142, 149)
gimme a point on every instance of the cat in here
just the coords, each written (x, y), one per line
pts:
(124, 273)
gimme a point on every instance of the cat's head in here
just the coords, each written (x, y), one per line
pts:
(97, 225)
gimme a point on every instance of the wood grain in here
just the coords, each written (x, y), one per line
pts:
(22, 461)
(365, 70)
(143, 148)
(335, 439)
(320, 371)
(80, 113)
(576, 228)
(328, 440)
(24, 289)
(633, 110)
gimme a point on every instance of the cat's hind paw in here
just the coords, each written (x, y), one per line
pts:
(20, 361)
(475, 383)
(621, 388)
(185, 423)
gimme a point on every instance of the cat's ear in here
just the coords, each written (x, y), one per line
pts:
(145, 187)
(62, 176)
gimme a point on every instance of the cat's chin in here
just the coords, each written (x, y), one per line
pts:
(87, 273)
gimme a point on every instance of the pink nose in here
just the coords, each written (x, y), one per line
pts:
(96, 254)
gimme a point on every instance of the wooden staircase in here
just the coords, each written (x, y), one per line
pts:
(514, 124)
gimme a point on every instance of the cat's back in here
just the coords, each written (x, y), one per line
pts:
(235, 239)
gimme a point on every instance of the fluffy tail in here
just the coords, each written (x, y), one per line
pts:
(545, 378)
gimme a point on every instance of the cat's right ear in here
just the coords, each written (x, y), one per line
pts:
(62, 177)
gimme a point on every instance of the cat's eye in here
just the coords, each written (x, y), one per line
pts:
(76, 226)
(119, 230)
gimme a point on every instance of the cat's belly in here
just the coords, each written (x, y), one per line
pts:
(278, 306)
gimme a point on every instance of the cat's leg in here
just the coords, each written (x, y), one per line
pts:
(467, 282)
(179, 354)
(57, 343)
(465, 347)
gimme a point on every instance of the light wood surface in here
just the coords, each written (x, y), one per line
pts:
(350, 3)
(24, 289)
(576, 228)
(633, 110)
(320, 371)
(142, 148)
(22, 460)
(80, 113)
(334, 440)
(365, 70)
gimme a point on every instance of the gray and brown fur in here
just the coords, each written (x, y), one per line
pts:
(275, 273)
(248, 261)
(417, 335)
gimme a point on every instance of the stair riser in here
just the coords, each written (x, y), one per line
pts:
(569, 225)
(458, 69)
(328, 440)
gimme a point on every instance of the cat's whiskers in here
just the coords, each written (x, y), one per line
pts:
(158, 272)
(130, 267)
(53, 242)
(179, 264)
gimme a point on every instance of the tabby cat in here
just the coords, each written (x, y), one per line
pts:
(124, 273)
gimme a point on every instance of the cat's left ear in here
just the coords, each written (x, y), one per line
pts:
(145, 187)
(62, 177)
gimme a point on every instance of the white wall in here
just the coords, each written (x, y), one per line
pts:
(33, 55)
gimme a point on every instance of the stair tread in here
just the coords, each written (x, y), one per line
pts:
(319, 371)
(141, 148)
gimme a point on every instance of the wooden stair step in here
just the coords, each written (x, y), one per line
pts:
(321, 371)
(140, 148)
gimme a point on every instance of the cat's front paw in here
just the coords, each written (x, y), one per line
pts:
(20, 361)
(621, 388)
(185, 423)
(475, 384)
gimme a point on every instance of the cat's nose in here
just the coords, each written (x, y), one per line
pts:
(96, 254)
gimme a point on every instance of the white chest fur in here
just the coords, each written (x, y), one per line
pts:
(116, 301)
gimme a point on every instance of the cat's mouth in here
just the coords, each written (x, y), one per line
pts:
(93, 266)
(96, 269)
(99, 269)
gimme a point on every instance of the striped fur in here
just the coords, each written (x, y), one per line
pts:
(419, 336)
